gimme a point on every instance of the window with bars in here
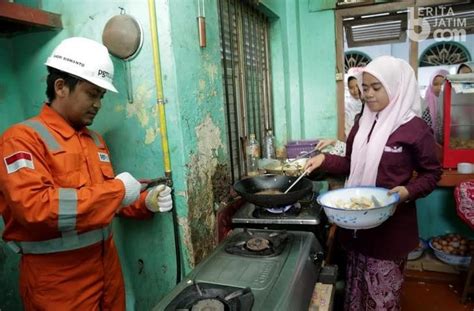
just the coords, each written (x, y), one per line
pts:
(355, 59)
(245, 61)
(444, 53)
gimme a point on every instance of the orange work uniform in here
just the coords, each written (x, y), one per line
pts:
(58, 197)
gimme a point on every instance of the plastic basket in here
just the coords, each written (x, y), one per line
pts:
(295, 148)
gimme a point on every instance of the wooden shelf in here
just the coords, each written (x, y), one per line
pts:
(451, 178)
(16, 19)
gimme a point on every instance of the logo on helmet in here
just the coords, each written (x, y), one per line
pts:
(104, 74)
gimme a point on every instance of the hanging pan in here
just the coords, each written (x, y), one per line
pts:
(123, 37)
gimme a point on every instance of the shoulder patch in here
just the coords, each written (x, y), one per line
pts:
(18, 160)
(103, 157)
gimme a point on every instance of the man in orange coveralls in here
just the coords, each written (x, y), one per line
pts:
(59, 193)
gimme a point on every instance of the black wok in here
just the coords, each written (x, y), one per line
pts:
(248, 188)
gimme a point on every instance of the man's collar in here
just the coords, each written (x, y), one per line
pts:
(55, 121)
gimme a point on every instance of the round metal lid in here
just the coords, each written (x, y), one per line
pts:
(123, 36)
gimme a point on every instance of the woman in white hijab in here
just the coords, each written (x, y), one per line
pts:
(353, 102)
(386, 145)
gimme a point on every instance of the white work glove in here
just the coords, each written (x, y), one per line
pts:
(159, 199)
(132, 188)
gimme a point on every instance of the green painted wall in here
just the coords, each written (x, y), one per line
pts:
(303, 68)
(437, 215)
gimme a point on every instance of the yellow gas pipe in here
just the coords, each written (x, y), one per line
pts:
(159, 88)
(163, 131)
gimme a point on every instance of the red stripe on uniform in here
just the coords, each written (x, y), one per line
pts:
(18, 156)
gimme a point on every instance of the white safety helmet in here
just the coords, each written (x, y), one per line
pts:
(86, 59)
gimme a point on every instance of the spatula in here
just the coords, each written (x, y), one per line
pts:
(296, 181)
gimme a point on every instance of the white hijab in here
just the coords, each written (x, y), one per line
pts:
(398, 79)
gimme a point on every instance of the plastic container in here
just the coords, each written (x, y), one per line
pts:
(253, 155)
(465, 168)
(296, 147)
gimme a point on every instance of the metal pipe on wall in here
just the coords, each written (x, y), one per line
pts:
(162, 118)
(159, 87)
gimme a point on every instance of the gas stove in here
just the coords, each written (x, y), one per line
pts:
(257, 243)
(304, 215)
(252, 269)
(300, 213)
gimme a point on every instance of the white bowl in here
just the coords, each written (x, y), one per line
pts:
(358, 219)
(449, 258)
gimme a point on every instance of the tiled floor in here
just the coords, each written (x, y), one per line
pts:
(432, 291)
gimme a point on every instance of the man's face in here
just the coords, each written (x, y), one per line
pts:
(82, 104)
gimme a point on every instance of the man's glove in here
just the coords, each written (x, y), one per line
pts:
(132, 188)
(159, 199)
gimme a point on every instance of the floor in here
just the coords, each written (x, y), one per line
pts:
(433, 291)
(425, 291)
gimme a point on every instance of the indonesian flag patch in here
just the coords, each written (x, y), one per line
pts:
(18, 160)
(104, 157)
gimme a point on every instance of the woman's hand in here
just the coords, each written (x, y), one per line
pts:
(402, 192)
(314, 162)
(323, 143)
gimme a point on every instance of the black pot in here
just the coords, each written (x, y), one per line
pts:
(249, 187)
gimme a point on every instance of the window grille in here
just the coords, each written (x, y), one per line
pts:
(444, 53)
(355, 59)
(246, 77)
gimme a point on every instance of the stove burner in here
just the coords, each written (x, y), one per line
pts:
(208, 305)
(258, 244)
(212, 297)
(278, 210)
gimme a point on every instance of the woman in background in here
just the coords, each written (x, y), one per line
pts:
(464, 68)
(430, 112)
(353, 103)
(386, 145)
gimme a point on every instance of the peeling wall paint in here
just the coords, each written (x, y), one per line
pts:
(201, 168)
(187, 240)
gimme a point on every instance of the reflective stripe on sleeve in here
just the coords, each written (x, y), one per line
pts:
(50, 141)
(62, 244)
(96, 139)
(67, 210)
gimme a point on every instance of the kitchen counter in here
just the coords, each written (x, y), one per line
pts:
(451, 178)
